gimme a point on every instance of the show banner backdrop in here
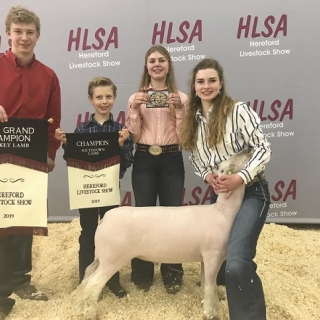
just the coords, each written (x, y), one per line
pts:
(93, 161)
(270, 53)
(23, 176)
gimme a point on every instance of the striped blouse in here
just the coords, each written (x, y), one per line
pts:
(242, 130)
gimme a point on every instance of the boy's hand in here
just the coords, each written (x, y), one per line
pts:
(123, 136)
(51, 164)
(60, 135)
(3, 114)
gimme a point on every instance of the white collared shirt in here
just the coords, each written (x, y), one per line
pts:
(242, 130)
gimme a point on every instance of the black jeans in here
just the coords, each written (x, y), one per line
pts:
(155, 177)
(15, 263)
(89, 219)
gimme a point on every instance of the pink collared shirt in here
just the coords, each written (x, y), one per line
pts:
(155, 126)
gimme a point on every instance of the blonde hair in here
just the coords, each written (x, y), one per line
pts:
(19, 14)
(101, 82)
(223, 106)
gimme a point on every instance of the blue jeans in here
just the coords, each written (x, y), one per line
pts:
(244, 288)
(152, 177)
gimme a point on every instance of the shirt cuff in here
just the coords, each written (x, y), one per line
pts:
(245, 180)
(133, 113)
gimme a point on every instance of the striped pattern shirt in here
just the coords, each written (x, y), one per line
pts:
(242, 130)
(126, 155)
(155, 125)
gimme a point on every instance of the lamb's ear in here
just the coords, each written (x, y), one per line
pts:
(232, 168)
(215, 170)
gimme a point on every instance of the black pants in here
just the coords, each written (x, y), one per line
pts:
(152, 177)
(89, 219)
(15, 263)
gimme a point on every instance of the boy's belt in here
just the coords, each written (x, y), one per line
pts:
(256, 178)
(156, 150)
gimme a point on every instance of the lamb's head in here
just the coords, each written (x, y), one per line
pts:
(235, 163)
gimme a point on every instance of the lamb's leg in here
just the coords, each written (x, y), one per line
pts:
(202, 280)
(211, 304)
(88, 291)
(91, 268)
(92, 286)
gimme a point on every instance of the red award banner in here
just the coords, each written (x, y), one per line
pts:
(93, 161)
(23, 177)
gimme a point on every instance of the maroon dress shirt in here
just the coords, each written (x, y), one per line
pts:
(31, 91)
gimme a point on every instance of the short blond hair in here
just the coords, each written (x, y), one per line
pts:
(19, 14)
(101, 82)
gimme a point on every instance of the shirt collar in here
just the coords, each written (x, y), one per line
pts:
(15, 61)
(150, 88)
(199, 112)
(94, 121)
(210, 109)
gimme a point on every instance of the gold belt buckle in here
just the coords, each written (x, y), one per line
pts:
(155, 150)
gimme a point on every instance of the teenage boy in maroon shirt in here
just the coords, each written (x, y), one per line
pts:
(28, 89)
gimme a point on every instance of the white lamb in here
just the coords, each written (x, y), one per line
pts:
(192, 233)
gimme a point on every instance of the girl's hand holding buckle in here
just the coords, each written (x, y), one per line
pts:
(174, 98)
(139, 99)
